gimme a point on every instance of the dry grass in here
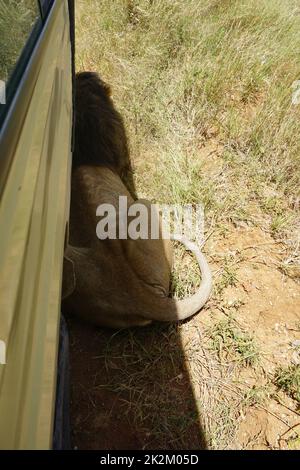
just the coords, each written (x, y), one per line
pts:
(230, 342)
(183, 75)
(288, 379)
(152, 383)
(148, 369)
(205, 88)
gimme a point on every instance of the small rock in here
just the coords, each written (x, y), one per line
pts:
(296, 343)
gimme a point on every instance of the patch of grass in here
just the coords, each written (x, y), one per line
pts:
(228, 275)
(184, 76)
(257, 395)
(288, 380)
(233, 344)
(294, 442)
(179, 72)
(280, 222)
(146, 368)
(186, 275)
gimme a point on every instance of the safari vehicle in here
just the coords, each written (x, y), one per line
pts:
(36, 73)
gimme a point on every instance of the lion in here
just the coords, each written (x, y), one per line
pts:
(100, 135)
(116, 282)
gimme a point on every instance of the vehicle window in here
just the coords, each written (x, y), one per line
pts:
(17, 18)
(20, 23)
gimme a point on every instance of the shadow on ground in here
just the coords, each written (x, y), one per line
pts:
(131, 389)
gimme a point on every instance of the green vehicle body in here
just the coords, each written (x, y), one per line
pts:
(34, 209)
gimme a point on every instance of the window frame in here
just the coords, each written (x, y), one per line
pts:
(43, 9)
(44, 6)
(16, 73)
(19, 68)
(20, 87)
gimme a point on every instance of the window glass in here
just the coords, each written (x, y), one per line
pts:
(20, 24)
(17, 18)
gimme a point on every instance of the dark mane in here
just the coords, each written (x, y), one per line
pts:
(100, 137)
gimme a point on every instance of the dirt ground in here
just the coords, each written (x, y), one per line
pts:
(171, 369)
(102, 418)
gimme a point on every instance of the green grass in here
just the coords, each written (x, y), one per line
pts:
(233, 344)
(185, 276)
(228, 275)
(258, 395)
(288, 380)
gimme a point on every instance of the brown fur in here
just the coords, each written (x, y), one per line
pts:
(100, 136)
(111, 276)
(116, 283)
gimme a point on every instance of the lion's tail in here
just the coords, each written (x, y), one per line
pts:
(167, 309)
